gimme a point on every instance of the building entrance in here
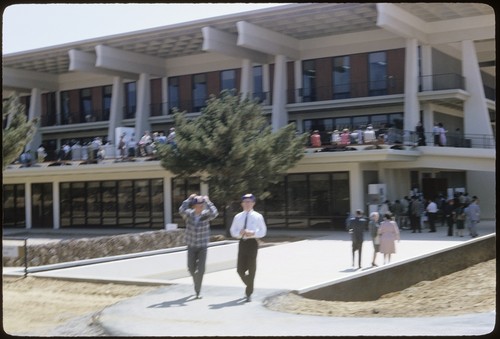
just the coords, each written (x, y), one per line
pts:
(42, 215)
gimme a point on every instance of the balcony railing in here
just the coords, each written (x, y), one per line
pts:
(394, 136)
(438, 82)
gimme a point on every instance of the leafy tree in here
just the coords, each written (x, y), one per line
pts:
(18, 131)
(232, 148)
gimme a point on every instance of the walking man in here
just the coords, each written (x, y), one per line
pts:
(357, 226)
(248, 226)
(197, 211)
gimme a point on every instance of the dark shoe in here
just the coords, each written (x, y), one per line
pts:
(414, 232)
(374, 265)
(198, 296)
(248, 299)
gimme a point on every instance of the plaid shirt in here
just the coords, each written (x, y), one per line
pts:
(197, 226)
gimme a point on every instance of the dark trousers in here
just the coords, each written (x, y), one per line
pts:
(247, 261)
(415, 223)
(197, 257)
(432, 221)
(450, 222)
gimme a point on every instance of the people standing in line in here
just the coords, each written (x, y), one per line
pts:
(373, 226)
(315, 139)
(389, 233)
(442, 135)
(449, 215)
(415, 214)
(473, 216)
(460, 219)
(197, 211)
(248, 226)
(432, 211)
(357, 226)
(436, 133)
(420, 134)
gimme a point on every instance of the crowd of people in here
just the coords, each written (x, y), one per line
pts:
(457, 214)
(367, 135)
(97, 149)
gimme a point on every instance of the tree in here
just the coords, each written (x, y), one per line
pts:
(18, 131)
(232, 148)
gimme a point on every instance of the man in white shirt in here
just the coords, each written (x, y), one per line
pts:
(431, 215)
(248, 226)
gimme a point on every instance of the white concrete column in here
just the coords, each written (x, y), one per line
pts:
(58, 108)
(55, 205)
(167, 199)
(35, 112)
(411, 103)
(476, 116)
(27, 205)
(426, 63)
(143, 111)
(279, 113)
(298, 79)
(266, 82)
(356, 189)
(164, 96)
(428, 122)
(116, 109)
(246, 84)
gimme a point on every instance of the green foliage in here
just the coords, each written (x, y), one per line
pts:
(18, 132)
(232, 147)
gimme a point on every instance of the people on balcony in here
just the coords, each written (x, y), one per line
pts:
(369, 135)
(420, 134)
(335, 140)
(315, 139)
(345, 137)
(41, 154)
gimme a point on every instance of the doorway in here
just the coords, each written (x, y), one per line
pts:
(42, 215)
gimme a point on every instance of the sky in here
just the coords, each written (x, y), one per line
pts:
(32, 26)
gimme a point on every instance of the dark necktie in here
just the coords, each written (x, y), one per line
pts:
(246, 218)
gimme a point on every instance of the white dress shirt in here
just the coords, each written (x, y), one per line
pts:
(255, 224)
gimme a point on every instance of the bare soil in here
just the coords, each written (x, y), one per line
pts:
(46, 307)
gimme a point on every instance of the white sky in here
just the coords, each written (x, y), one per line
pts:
(32, 26)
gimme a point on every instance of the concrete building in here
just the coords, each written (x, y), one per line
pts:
(324, 66)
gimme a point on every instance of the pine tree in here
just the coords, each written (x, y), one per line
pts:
(17, 131)
(232, 147)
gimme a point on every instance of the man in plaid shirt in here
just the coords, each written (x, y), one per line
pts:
(197, 211)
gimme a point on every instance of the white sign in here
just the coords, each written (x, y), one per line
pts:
(10, 251)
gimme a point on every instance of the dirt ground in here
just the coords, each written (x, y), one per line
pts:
(45, 307)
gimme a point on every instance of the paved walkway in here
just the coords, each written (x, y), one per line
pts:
(172, 310)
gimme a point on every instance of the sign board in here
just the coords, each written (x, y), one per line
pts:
(10, 251)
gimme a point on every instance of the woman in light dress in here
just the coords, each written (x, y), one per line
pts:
(388, 233)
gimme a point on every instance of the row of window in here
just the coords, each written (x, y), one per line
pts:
(322, 79)
(297, 201)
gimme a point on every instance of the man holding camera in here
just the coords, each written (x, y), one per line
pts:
(197, 211)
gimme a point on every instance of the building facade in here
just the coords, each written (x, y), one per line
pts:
(324, 67)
